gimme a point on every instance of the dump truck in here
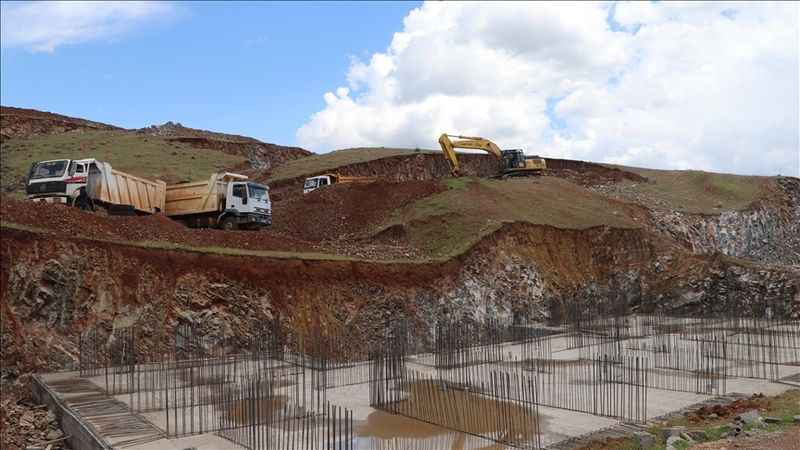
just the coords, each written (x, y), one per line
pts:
(60, 180)
(326, 179)
(227, 200)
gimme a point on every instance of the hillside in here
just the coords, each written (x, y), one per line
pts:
(21, 123)
(351, 260)
(170, 152)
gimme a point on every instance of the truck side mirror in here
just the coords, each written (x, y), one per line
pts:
(244, 199)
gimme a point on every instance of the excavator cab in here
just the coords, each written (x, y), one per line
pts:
(512, 159)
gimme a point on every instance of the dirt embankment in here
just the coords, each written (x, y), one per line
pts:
(323, 221)
(588, 174)
(20, 123)
(411, 167)
(52, 288)
(434, 167)
(347, 210)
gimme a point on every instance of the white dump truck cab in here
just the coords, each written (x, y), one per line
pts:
(247, 205)
(226, 200)
(58, 180)
(313, 183)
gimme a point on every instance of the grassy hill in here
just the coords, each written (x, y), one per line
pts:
(142, 155)
(693, 191)
(451, 221)
(575, 195)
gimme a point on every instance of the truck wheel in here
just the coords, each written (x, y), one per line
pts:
(121, 210)
(229, 223)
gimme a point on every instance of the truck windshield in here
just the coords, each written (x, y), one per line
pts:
(258, 192)
(310, 183)
(49, 169)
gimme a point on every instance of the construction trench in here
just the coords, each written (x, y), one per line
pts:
(465, 384)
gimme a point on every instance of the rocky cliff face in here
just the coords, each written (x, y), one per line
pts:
(768, 231)
(54, 289)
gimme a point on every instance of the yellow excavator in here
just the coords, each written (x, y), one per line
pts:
(511, 163)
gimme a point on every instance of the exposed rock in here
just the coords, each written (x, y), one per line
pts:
(767, 232)
(749, 417)
(698, 435)
(644, 440)
(673, 432)
(672, 441)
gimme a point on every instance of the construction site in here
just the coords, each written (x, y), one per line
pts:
(470, 385)
(381, 298)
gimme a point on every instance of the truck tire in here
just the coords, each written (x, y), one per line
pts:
(121, 210)
(229, 223)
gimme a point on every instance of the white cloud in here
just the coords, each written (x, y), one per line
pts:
(682, 85)
(45, 26)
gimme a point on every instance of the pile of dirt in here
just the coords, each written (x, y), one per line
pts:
(741, 405)
(68, 221)
(25, 424)
(343, 211)
(20, 123)
(588, 174)
(286, 235)
(394, 169)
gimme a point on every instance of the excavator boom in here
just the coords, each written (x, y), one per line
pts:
(510, 161)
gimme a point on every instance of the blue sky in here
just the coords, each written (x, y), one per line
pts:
(674, 85)
(251, 68)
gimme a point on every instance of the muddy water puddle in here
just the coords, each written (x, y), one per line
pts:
(383, 430)
(454, 409)
(258, 410)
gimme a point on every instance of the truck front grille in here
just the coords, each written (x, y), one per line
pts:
(47, 187)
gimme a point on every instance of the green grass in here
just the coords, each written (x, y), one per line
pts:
(333, 160)
(694, 191)
(784, 406)
(448, 223)
(152, 157)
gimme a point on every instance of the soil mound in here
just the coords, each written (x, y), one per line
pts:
(72, 222)
(325, 219)
(739, 406)
(346, 210)
(20, 123)
(588, 174)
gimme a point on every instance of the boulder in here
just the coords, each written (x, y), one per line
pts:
(673, 431)
(644, 440)
(698, 435)
(750, 417)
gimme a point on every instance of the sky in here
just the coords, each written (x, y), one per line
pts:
(709, 86)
